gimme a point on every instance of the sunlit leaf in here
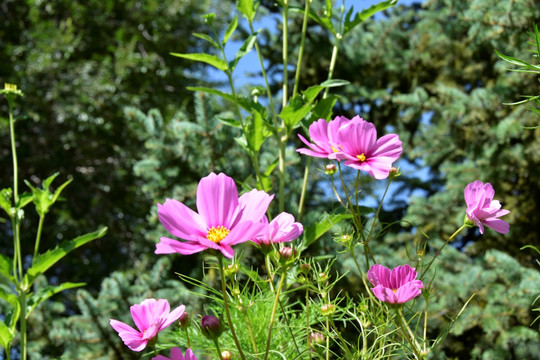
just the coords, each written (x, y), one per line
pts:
(212, 60)
(44, 261)
(47, 292)
(230, 30)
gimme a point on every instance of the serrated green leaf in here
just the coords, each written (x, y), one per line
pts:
(244, 49)
(45, 293)
(24, 199)
(212, 60)
(5, 200)
(230, 122)
(6, 337)
(6, 267)
(315, 231)
(207, 38)
(44, 261)
(299, 106)
(12, 316)
(257, 132)
(366, 14)
(213, 91)
(230, 30)
(248, 8)
(43, 198)
(246, 104)
(324, 108)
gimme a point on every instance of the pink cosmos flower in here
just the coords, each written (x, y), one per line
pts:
(222, 220)
(151, 316)
(176, 354)
(281, 229)
(323, 134)
(482, 209)
(395, 286)
(358, 146)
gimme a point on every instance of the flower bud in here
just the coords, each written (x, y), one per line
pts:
(316, 338)
(184, 320)
(304, 268)
(231, 270)
(226, 355)
(328, 309)
(286, 255)
(211, 327)
(330, 169)
(394, 172)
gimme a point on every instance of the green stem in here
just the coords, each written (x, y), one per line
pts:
(378, 210)
(228, 72)
(409, 334)
(301, 51)
(22, 320)
(250, 329)
(187, 337)
(343, 341)
(308, 325)
(442, 247)
(273, 315)
(226, 306)
(280, 138)
(327, 338)
(332, 63)
(218, 349)
(285, 16)
(38, 236)
(17, 257)
(304, 188)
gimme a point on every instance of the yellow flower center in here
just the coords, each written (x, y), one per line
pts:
(361, 157)
(216, 234)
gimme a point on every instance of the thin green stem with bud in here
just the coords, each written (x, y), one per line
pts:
(442, 247)
(226, 306)
(273, 315)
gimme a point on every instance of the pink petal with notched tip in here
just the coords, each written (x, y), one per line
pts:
(217, 200)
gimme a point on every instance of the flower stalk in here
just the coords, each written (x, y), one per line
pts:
(227, 311)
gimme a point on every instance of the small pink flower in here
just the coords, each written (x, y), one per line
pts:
(281, 229)
(395, 286)
(482, 209)
(176, 354)
(223, 219)
(358, 146)
(151, 316)
(323, 134)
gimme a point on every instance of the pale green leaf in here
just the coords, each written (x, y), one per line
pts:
(6, 336)
(230, 30)
(365, 14)
(44, 261)
(315, 231)
(208, 39)
(212, 60)
(45, 293)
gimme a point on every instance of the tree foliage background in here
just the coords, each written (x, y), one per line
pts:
(106, 104)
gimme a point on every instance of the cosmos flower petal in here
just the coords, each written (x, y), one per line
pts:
(180, 220)
(171, 246)
(395, 286)
(254, 204)
(172, 316)
(498, 225)
(408, 291)
(217, 200)
(388, 146)
(131, 337)
(190, 355)
(482, 210)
